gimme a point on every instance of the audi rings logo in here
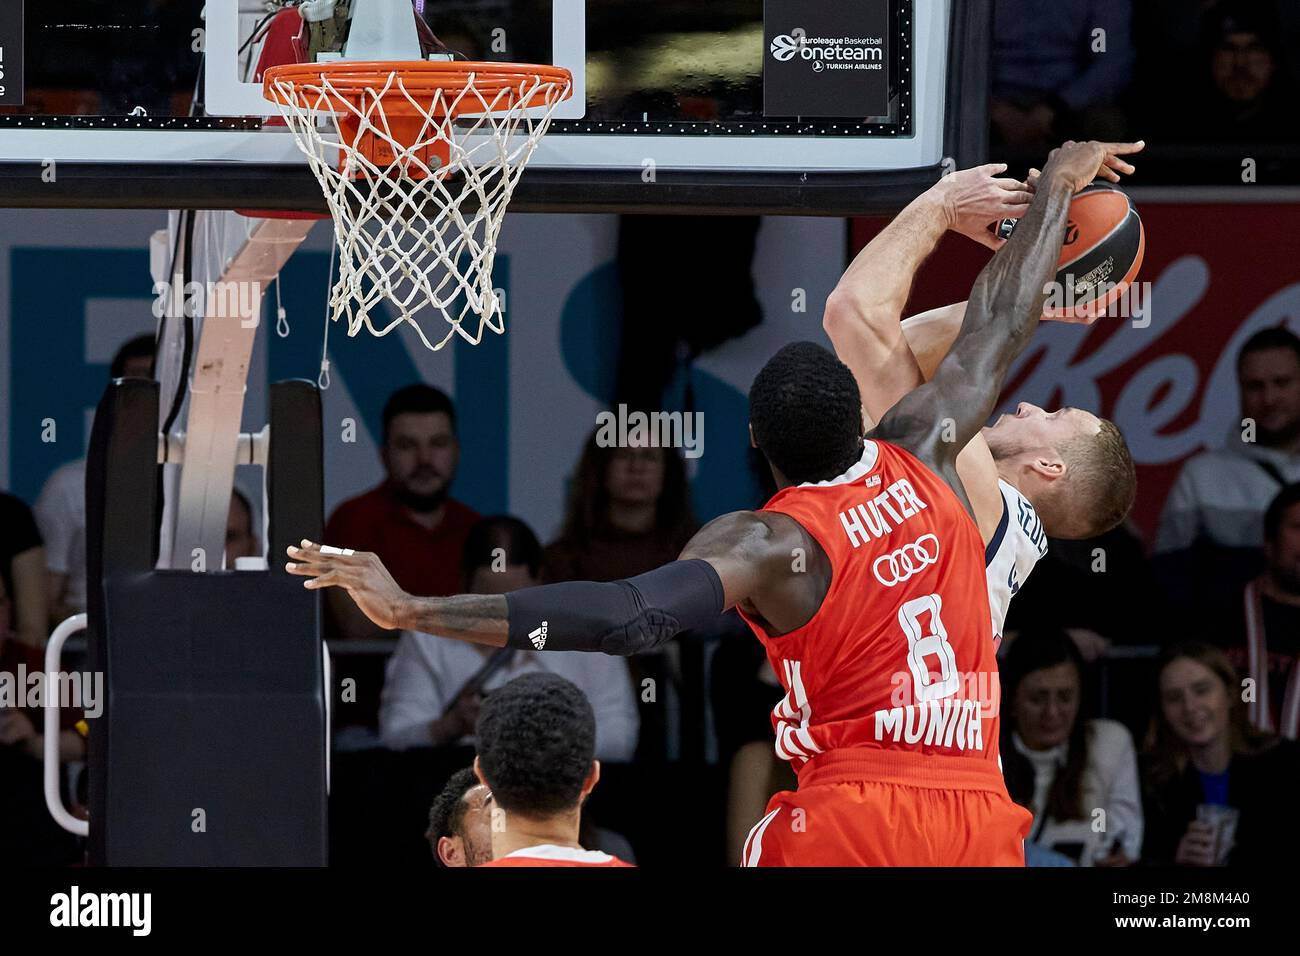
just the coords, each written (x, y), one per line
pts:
(908, 560)
(784, 47)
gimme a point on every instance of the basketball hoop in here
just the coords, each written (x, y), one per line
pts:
(428, 156)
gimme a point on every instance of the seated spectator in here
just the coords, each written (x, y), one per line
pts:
(61, 507)
(536, 753)
(24, 614)
(1209, 542)
(1214, 785)
(1050, 80)
(1078, 776)
(460, 830)
(1244, 95)
(435, 687)
(28, 834)
(629, 512)
(409, 520)
(241, 539)
(1260, 629)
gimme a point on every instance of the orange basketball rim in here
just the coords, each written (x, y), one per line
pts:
(411, 103)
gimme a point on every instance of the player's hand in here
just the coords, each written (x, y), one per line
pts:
(361, 574)
(1196, 848)
(973, 198)
(1078, 164)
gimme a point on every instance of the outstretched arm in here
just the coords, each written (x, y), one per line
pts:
(938, 419)
(728, 561)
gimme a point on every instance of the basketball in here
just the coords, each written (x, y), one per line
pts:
(1100, 254)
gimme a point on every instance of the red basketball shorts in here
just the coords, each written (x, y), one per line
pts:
(877, 808)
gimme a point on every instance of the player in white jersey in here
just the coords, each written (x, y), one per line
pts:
(1067, 473)
(1011, 554)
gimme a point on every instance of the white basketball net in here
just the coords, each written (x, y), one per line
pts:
(421, 243)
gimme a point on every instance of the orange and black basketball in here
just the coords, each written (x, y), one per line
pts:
(1100, 255)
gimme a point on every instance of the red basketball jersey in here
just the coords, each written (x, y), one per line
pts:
(900, 655)
(550, 855)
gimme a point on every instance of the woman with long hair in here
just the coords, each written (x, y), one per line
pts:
(629, 511)
(1214, 784)
(1079, 777)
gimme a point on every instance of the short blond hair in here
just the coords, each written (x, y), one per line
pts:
(1101, 482)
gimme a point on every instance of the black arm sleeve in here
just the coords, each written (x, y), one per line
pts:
(620, 617)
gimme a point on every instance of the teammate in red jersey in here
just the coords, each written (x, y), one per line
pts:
(863, 577)
(536, 753)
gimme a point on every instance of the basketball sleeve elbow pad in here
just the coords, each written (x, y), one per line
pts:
(619, 617)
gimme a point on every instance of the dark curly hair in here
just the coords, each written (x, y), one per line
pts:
(536, 743)
(806, 413)
(447, 815)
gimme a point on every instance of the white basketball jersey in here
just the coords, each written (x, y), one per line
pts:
(1012, 553)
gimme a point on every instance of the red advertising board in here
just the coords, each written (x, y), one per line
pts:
(1218, 273)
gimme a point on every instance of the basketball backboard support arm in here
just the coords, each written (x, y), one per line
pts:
(244, 256)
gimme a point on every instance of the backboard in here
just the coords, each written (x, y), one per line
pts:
(770, 106)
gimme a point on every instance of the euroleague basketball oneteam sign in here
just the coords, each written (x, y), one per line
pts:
(826, 58)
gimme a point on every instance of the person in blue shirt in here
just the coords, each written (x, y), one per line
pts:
(1211, 779)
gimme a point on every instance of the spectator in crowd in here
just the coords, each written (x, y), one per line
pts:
(27, 833)
(24, 614)
(536, 753)
(1079, 777)
(434, 687)
(410, 520)
(61, 507)
(1211, 533)
(241, 539)
(460, 830)
(629, 511)
(1247, 96)
(1260, 629)
(1059, 67)
(1214, 791)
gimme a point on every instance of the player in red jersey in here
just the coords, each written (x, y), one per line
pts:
(863, 577)
(536, 753)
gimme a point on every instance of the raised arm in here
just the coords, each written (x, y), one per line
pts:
(863, 311)
(938, 419)
(729, 561)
